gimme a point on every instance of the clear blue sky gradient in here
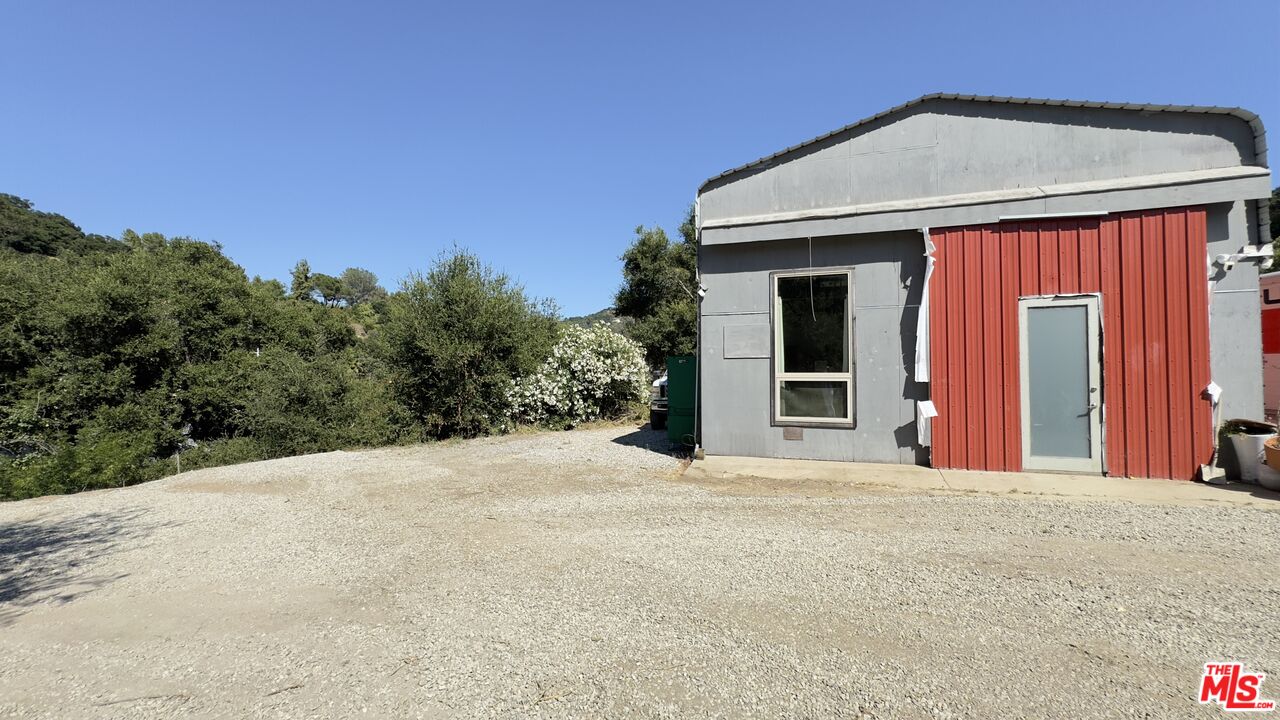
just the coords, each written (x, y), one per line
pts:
(538, 135)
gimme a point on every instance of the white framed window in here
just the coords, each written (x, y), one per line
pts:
(813, 363)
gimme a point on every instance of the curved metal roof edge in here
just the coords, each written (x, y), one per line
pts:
(1255, 122)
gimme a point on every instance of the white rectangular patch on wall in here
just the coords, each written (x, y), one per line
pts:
(746, 341)
(926, 411)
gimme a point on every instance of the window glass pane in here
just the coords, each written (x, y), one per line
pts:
(815, 399)
(815, 324)
(1058, 387)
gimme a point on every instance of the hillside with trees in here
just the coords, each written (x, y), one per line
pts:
(605, 317)
(126, 360)
(24, 229)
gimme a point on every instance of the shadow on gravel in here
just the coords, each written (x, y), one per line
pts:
(50, 561)
(1253, 490)
(654, 440)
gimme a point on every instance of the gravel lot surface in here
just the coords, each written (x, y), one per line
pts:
(578, 575)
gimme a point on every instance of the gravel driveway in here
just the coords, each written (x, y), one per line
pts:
(578, 575)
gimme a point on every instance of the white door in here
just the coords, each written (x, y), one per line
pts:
(1061, 383)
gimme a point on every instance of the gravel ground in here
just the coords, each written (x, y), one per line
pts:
(578, 575)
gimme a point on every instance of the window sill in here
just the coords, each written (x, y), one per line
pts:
(833, 424)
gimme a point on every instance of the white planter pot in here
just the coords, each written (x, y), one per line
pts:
(1248, 449)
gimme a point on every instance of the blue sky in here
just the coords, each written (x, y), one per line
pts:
(538, 135)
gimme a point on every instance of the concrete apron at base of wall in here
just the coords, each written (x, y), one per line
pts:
(773, 476)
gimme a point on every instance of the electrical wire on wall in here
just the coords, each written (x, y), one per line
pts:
(812, 311)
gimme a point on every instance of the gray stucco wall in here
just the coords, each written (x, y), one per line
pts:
(888, 272)
(1235, 314)
(949, 147)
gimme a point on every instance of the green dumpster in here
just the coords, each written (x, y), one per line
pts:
(682, 375)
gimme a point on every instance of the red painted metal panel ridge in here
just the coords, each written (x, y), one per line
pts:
(992, 379)
(1155, 303)
(1048, 258)
(974, 427)
(945, 423)
(1009, 372)
(1113, 380)
(955, 304)
(1197, 287)
(1068, 256)
(1135, 380)
(938, 377)
(1029, 257)
(1178, 330)
(1089, 254)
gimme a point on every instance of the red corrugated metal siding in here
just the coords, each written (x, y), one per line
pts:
(1197, 276)
(1113, 364)
(1270, 320)
(1149, 268)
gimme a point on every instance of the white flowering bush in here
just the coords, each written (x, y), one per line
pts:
(591, 374)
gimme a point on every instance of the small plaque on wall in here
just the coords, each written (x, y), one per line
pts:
(792, 433)
(746, 341)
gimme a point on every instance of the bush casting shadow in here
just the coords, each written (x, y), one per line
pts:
(51, 560)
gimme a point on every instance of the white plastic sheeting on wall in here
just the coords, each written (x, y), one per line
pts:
(925, 410)
(922, 320)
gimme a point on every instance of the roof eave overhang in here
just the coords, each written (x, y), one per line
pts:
(999, 196)
(1099, 196)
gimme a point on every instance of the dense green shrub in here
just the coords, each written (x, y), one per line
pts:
(123, 361)
(111, 363)
(457, 338)
(215, 453)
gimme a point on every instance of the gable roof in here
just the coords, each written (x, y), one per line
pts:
(1259, 133)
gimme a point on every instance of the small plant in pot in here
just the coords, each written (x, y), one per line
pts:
(1247, 438)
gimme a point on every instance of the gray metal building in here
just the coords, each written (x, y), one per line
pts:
(814, 262)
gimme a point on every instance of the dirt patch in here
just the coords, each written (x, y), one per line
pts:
(753, 486)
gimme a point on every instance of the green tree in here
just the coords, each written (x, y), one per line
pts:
(106, 337)
(457, 338)
(115, 364)
(1274, 208)
(112, 363)
(328, 289)
(300, 284)
(658, 282)
(360, 286)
